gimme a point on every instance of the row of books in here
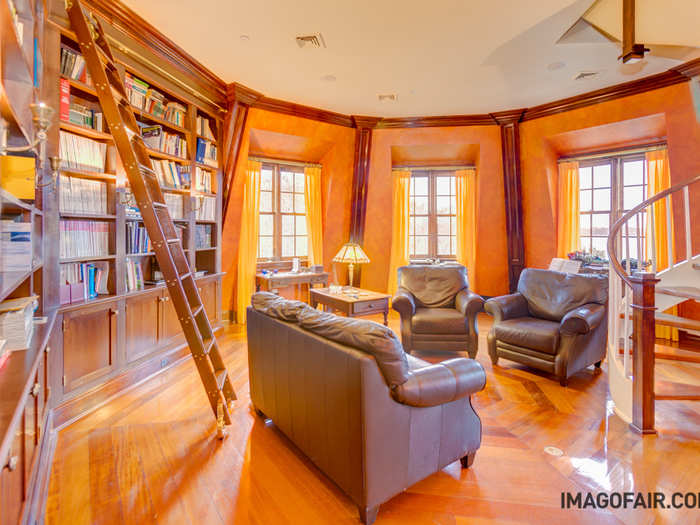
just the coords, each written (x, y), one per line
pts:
(81, 153)
(73, 65)
(204, 128)
(133, 276)
(83, 281)
(202, 236)
(152, 101)
(17, 323)
(206, 152)
(202, 179)
(78, 195)
(175, 205)
(15, 245)
(206, 210)
(137, 240)
(171, 143)
(172, 174)
(83, 239)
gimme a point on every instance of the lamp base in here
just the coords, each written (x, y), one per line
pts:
(351, 270)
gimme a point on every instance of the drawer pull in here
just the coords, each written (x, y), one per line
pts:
(36, 389)
(114, 311)
(12, 463)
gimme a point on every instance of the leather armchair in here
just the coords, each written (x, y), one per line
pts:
(437, 309)
(556, 322)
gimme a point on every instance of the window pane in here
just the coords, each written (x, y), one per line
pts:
(443, 225)
(265, 247)
(421, 247)
(586, 244)
(411, 246)
(453, 245)
(584, 178)
(266, 180)
(267, 225)
(601, 224)
(601, 200)
(287, 246)
(286, 181)
(599, 247)
(411, 226)
(286, 203)
(420, 185)
(453, 224)
(265, 201)
(601, 176)
(443, 205)
(301, 225)
(443, 185)
(632, 247)
(287, 224)
(585, 200)
(633, 172)
(299, 182)
(421, 206)
(299, 203)
(302, 246)
(585, 225)
(443, 245)
(421, 225)
(632, 196)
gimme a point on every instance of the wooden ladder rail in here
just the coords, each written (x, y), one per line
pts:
(171, 257)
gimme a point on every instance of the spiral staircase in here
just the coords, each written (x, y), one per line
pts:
(639, 299)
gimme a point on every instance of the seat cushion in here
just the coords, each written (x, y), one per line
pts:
(439, 321)
(529, 332)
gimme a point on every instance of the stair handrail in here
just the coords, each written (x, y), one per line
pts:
(612, 236)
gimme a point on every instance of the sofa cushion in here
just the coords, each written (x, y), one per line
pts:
(277, 307)
(550, 295)
(439, 321)
(529, 332)
(368, 336)
(433, 286)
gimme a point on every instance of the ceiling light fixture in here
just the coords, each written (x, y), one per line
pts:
(391, 97)
(328, 78)
(245, 38)
(312, 40)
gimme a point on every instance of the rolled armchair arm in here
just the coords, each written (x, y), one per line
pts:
(404, 303)
(507, 307)
(441, 383)
(469, 303)
(582, 319)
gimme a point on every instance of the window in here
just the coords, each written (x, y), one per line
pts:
(433, 207)
(609, 187)
(282, 232)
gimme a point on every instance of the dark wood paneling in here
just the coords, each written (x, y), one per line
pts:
(233, 132)
(141, 332)
(433, 122)
(363, 148)
(169, 323)
(208, 293)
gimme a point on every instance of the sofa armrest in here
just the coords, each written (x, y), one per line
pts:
(507, 307)
(469, 303)
(404, 303)
(441, 383)
(582, 320)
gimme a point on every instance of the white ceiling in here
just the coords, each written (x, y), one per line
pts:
(439, 57)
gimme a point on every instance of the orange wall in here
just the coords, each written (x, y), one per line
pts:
(491, 275)
(542, 143)
(306, 140)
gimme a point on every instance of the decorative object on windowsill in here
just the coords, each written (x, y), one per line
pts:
(317, 268)
(352, 254)
(296, 266)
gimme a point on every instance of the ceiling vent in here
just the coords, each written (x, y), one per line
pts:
(311, 41)
(584, 75)
(388, 98)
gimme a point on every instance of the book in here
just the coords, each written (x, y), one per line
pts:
(204, 128)
(175, 205)
(207, 208)
(86, 280)
(4, 353)
(73, 65)
(202, 236)
(137, 240)
(564, 265)
(81, 153)
(134, 275)
(202, 179)
(206, 152)
(160, 140)
(17, 321)
(64, 102)
(15, 245)
(78, 238)
(77, 195)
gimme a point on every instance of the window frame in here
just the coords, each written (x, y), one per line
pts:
(432, 215)
(277, 214)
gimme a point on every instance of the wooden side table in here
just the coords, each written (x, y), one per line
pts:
(352, 303)
(271, 281)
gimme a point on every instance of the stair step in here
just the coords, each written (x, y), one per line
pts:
(220, 377)
(687, 292)
(677, 322)
(669, 391)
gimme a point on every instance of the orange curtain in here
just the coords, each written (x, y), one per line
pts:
(248, 243)
(659, 175)
(568, 209)
(314, 218)
(465, 188)
(401, 180)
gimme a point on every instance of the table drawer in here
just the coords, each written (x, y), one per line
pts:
(377, 305)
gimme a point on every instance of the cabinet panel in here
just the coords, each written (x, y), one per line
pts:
(30, 441)
(89, 342)
(169, 323)
(207, 291)
(12, 484)
(141, 325)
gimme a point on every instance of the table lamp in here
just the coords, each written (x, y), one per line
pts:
(352, 254)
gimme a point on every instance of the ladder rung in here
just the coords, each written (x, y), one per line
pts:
(208, 343)
(220, 377)
(174, 240)
(197, 310)
(185, 276)
(157, 204)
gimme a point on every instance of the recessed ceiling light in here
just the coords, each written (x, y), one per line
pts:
(328, 78)
(554, 451)
(556, 65)
(245, 38)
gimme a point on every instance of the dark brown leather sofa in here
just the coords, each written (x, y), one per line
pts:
(556, 322)
(373, 419)
(438, 311)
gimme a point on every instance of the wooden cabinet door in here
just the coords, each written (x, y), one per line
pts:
(170, 328)
(30, 434)
(11, 483)
(89, 344)
(141, 325)
(208, 291)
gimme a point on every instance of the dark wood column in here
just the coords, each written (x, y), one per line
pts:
(509, 121)
(240, 98)
(363, 147)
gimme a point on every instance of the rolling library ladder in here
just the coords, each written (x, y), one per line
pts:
(179, 278)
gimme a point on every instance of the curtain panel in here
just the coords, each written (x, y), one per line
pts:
(314, 218)
(248, 243)
(401, 180)
(465, 189)
(568, 222)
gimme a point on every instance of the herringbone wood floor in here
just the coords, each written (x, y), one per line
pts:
(151, 456)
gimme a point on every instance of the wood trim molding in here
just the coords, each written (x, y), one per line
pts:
(508, 117)
(510, 150)
(234, 127)
(298, 110)
(689, 69)
(360, 179)
(236, 92)
(434, 122)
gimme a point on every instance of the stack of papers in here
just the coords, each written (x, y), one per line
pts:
(16, 321)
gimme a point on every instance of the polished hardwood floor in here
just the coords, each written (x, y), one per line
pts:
(151, 456)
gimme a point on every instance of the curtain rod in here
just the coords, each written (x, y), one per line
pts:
(286, 162)
(435, 168)
(618, 151)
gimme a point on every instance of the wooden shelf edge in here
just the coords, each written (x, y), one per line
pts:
(87, 258)
(167, 156)
(85, 131)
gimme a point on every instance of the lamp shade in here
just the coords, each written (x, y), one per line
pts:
(351, 253)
